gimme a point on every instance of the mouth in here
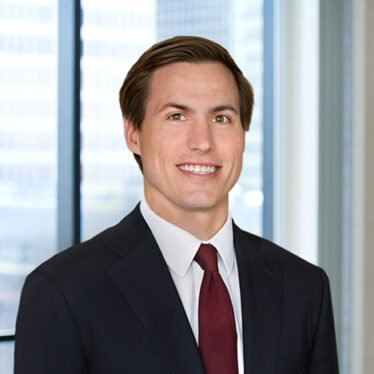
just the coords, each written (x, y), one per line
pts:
(198, 169)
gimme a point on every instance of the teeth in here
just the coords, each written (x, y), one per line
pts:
(198, 169)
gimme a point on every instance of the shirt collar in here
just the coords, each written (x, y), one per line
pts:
(179, 247)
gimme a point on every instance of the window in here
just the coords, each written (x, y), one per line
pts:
(114, 35)
(28, 80)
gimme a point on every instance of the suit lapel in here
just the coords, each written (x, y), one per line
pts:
(261, 297)
(143, 279)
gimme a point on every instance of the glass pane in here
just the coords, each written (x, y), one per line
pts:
(28, 75)
(6, 357)
(114, 35)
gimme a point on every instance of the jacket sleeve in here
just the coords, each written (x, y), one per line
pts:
(47, 337)
(324, 358)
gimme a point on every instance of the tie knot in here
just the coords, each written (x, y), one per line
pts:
(206, 257)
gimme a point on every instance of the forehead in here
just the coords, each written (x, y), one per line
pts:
(197, 83)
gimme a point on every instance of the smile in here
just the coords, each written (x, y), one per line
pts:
(198, 169)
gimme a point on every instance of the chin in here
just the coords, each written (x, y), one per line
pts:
(196, 204)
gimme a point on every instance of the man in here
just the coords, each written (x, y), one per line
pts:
(176, 286)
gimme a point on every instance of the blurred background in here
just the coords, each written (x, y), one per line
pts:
(308, 175)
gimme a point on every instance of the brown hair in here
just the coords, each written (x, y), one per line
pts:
(134, 91)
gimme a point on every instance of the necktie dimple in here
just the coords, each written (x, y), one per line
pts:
(217, 330)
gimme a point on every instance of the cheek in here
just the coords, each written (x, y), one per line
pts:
(240, 146)
(147, 144)
(155, 153)
(237, 156)
(232, 146)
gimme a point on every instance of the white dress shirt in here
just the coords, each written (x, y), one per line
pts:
(179, 248)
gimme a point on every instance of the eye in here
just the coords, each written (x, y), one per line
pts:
(220, 118)
(176, 117)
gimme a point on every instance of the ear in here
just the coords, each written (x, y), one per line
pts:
(131, 136)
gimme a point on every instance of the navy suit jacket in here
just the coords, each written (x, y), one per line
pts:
(109, 305)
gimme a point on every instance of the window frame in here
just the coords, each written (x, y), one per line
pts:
(70, 17)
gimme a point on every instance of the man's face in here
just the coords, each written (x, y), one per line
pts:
(191, 141)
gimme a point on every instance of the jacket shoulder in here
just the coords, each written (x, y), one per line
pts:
(89, 254)
(86, 263)
(271, 252)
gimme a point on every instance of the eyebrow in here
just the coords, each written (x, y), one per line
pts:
(218, 108)
(185, 108)
(221, 108)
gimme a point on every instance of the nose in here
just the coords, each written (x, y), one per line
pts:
(200, 136)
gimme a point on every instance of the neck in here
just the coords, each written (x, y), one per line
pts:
(201, 223)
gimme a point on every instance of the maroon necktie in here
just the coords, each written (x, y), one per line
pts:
(217, 331)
